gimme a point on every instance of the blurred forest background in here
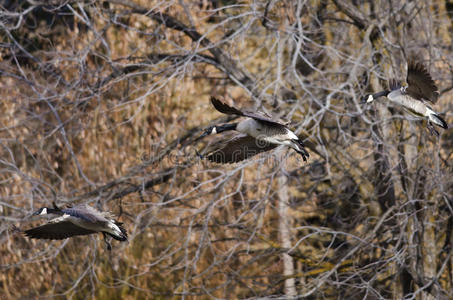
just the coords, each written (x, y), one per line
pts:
(103, 103)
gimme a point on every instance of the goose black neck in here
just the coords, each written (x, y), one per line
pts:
(381, 94)
(226, 127)
(56, 211)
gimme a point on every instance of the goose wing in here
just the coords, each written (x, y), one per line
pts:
(239, 149)
(229, 110)
(86, 213)
(225, 108)
(263, 119)
(420, 84)
(57, 231)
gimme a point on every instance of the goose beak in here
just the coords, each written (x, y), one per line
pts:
(36, 213)
(208, 131)
(203, 135)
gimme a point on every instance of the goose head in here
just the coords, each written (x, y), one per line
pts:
(47, 210)
(41, 211)
(368, 98)
(210, 130)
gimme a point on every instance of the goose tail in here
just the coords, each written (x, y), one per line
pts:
(119, 235)
(300, 148)
(438, 120)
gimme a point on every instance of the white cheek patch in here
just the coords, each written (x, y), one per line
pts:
(214, 130)
(43, 212)
(370, 99)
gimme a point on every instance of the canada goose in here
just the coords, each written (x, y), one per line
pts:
(263, 134)
(78, 220)
(421, 88)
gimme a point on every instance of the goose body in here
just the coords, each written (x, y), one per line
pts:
(414, 98)
(271, 134)
(79, 220)
(261, 134)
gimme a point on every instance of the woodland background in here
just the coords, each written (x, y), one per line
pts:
(103, 103)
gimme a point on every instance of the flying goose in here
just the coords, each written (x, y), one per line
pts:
(78, 220)
(413, 97)
(262, 134)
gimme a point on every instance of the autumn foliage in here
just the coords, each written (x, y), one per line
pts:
(103, 103)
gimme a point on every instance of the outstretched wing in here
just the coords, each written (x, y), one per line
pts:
(57, 231)
(420, 84)
(229, 110)
(239, 149)
(88, 213)
(225, 108)
(263, 119)
(85, 213)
